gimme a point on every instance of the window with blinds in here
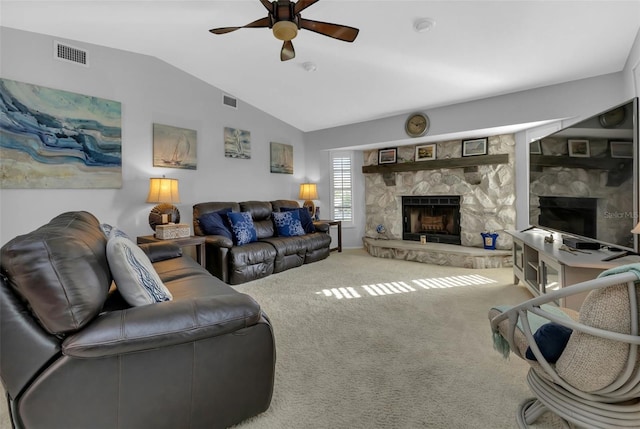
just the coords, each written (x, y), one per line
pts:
(341, 186)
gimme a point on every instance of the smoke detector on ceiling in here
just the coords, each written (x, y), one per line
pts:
(422, 25)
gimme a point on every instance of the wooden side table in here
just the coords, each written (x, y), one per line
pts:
(337, 223)
(194, 240)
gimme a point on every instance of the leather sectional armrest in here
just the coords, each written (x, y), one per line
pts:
(162, 325)
(160, 251)
(321, 226)
(219, 241)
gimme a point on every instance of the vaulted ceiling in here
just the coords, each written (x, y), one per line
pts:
(476, 49)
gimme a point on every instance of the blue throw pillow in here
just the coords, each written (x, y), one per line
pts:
(551, 338)
(305, 218)
(216, 223)
(242, 228)
(288, 223)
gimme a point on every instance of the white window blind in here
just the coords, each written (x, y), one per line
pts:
(341, 187)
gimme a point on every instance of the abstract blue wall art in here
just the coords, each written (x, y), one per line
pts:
(237, 143)
(174, 147)
(57, 139)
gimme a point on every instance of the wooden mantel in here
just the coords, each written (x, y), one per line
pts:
(436, 164)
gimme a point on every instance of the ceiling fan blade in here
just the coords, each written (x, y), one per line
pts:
(302, 5)
(258, 23)
(267, 5)
(340, 32)
(287, 52)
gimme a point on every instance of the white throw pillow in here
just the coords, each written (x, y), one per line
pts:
(135, 277)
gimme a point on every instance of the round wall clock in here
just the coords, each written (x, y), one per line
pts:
(417, 124)
(612, 117)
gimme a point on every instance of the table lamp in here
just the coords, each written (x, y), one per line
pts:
(309, 192)
(164, 192)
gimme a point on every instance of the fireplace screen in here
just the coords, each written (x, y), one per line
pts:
(437, 218)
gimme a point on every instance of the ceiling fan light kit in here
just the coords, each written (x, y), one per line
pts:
(285, 30)
(284, 20)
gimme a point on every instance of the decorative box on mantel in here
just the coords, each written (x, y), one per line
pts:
(172, 230)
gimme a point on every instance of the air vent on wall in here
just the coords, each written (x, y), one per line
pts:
(228, 100)
(64, 52)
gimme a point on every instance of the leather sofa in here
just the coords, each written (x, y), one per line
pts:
(73, 354)
(269, 254)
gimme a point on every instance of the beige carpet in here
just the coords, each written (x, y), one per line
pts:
(364, 342)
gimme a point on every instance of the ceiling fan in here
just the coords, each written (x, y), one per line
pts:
(284, 19)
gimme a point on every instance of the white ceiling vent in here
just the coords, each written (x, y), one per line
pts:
(228, 100)
(71, 54)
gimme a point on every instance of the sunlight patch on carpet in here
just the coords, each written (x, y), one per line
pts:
(393, 288)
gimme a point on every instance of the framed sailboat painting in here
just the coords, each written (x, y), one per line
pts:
(281, 158)
(174, 147)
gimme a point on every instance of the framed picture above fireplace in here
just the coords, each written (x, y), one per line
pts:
(578, 148)
(474, 147)
(387, 156)
(426, 152)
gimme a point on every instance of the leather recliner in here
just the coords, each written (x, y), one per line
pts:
(73, 354)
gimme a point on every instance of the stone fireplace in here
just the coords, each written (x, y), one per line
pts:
(486, 194)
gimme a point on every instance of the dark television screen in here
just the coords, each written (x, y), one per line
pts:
(583, 179)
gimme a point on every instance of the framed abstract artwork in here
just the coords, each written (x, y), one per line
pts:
(174, 147)
(51, 138)
(237, 143)
(281, 158)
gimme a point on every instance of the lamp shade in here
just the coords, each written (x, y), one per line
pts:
(308, 191)
(162, 190)
(636, 230)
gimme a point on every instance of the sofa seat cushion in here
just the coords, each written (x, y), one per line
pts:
(185, 278)
(61, 270)
(290, 252)
(317, 240)
(251, 261)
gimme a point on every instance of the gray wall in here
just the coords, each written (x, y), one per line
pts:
(151, 91)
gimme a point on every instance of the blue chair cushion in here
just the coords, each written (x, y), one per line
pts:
(551, 338)
(242, 227)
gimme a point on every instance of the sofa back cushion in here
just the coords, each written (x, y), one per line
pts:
(261, 214)
(60, 270)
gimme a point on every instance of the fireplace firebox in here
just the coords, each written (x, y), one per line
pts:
(436, 217)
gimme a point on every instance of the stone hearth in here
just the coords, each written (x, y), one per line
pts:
(487, 203)
(438, 253)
